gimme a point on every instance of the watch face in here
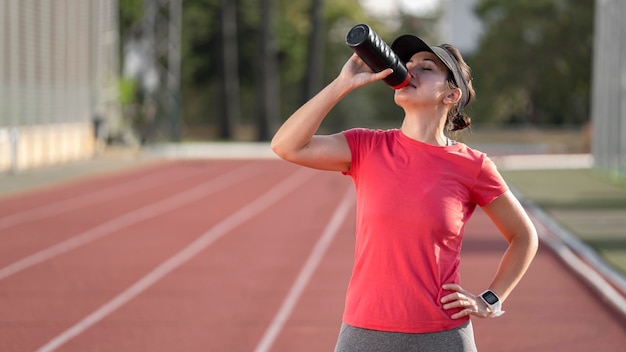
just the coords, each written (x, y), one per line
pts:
(490, 297)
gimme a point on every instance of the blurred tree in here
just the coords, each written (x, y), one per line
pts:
(277, 58)
(131, 12)
(370, 106)
(230, 70)
(534, 62)
(268, 95)
(315, 51)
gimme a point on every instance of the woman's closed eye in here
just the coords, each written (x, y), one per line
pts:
(421, 65)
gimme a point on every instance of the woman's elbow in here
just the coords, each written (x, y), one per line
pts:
(534, 241)
(529, 240)
(280, 149)
(275, 146)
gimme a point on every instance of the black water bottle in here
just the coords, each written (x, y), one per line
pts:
(377, 55)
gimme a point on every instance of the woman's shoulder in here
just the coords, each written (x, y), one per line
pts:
(469, 152)
(469, 158)
(368, 134)
(370, 131)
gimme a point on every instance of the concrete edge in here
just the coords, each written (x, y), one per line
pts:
(543, 161)
(213, 150)
(584, 261)
(262, 150)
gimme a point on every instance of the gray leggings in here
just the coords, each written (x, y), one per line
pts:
(353, 339)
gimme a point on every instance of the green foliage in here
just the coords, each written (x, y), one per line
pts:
(200, 42)
(534, 62)
(127, 90)
(130, 14)
(372, 105)
(293, 31)
(533, 66)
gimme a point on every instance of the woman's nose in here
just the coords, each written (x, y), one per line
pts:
(410, 66)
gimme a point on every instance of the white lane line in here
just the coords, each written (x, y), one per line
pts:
(63, 206)
(136, 216)
(205, 240)
(306, 273)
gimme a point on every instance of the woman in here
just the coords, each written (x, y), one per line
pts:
(416, 189)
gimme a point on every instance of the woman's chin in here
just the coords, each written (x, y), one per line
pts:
(402, 97)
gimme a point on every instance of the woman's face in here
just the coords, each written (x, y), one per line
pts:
(428, 85)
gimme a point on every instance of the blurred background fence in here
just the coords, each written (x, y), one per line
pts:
(58, 74)
(609, 87)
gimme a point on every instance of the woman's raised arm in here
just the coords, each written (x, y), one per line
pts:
(296, 140)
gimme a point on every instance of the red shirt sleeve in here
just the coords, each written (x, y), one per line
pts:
(489, 183)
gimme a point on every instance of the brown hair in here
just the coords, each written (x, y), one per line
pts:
(457, 119)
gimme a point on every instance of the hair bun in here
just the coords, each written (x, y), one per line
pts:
(460, 122)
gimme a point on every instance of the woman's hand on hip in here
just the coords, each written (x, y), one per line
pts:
(468, 303)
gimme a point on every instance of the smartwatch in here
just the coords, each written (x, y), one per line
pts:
(493, 301)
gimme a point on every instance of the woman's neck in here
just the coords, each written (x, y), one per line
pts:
(428, 131)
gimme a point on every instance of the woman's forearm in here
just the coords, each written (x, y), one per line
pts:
(513, 222)
(514, 263)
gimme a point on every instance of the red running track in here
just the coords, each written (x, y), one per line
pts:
(234, 256)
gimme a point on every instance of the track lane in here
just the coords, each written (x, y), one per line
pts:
(225, 297)
(314, 323)
(180, 258)
(41, 206)
(309, 268)
(31, 199)
(79, 279)
(28, 244)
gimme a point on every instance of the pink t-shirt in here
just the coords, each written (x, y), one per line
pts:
(413, 200)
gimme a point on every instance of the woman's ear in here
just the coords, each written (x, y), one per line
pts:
(453, 96)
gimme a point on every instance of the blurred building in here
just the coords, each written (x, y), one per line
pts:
(58, 79)
(459, 26)
(608, 100)
(456, 22)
